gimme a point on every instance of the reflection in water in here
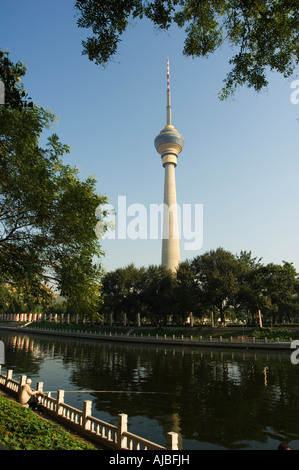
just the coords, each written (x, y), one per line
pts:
(215, 399)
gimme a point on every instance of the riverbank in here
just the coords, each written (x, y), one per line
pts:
(23, 429)
(104, 435)
(188, 337)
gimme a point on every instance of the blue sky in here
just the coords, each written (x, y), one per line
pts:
(240, 160)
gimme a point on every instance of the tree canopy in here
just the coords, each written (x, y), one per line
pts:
(47, 213)
(216, 283)
(263, 34)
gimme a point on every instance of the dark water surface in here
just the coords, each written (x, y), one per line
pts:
(215, 399)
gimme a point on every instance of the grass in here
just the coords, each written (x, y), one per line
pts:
(22, 429)
(273, 333)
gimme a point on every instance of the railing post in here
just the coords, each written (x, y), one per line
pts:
(40, 386)
(60, 399)
(172, 441)
(122, 428)
(8, 377)
(86, 414)
(23, 380)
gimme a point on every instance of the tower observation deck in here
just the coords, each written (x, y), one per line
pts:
(169, 143)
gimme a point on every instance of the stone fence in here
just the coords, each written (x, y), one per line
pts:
(99, 432)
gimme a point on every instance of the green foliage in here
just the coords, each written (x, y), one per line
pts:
(230, 286)
(157, 294)
(15, 95)
(274, 333)
(26, 299)
(216, 273)
(263, 34)
(21, 429)
(121, 291)
(187, 294)
(47, 213)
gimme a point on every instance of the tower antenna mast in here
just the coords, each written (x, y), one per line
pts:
(168, 107)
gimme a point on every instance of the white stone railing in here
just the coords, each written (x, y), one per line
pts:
(98, 431)
(172, 339)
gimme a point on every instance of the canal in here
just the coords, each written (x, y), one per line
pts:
(215, 399)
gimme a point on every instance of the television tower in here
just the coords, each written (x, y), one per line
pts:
(169, 143)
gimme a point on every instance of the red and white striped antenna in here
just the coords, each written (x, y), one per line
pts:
(168, 107)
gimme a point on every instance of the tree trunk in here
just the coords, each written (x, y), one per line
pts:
(222, 316)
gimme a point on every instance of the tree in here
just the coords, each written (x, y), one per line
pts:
(248, 295)
(271, 288)
(148, 291)
(278, 291)
(262, 33)
(25, 299)
(187, 294)
(158, 294)
(121, 291)
(216, 273)
(47, 214)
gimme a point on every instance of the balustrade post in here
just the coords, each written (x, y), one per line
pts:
(172, 441)
(86, 424)
(60, 399)
(22, 382)
(8, 377)
(39, 388)
(122, 428)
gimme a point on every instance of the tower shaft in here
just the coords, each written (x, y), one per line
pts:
(170, 241)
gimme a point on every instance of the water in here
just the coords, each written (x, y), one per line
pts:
(215, 399)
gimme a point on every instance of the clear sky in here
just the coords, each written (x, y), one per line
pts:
(240, 161)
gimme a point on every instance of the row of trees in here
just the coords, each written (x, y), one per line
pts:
(216, 282)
